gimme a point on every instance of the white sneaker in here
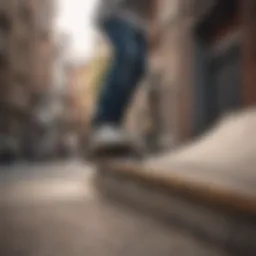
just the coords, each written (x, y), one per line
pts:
(108, 136)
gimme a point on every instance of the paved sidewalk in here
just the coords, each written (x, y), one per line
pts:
(64, 216)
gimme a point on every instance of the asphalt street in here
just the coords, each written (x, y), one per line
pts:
(54, 210)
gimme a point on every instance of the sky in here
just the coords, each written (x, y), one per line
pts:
(75, 18)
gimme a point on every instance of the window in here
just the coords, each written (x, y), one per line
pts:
(5, 24)
(3, 42)
(25, 11)
(4, 35)
(218, 77)
(200, 8)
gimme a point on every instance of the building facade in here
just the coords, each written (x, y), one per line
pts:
(44, 45)
(203, 67)
(19, 36)
(17, 63)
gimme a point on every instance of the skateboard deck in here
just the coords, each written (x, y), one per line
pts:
(116, 152)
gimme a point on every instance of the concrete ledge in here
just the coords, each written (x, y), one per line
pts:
(225, 197)
(216, 216)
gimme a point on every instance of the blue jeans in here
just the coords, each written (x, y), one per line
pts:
(126, 70)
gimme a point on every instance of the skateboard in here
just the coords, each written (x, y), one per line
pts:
(103, 161)
(116, 152)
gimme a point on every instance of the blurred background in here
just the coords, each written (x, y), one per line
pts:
(52, 60)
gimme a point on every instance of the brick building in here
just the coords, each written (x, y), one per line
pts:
(16, 64)
(44, 56)
(20, 37)
(204, 64)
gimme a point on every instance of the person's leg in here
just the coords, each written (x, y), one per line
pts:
(137, 73)
(116, 85)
